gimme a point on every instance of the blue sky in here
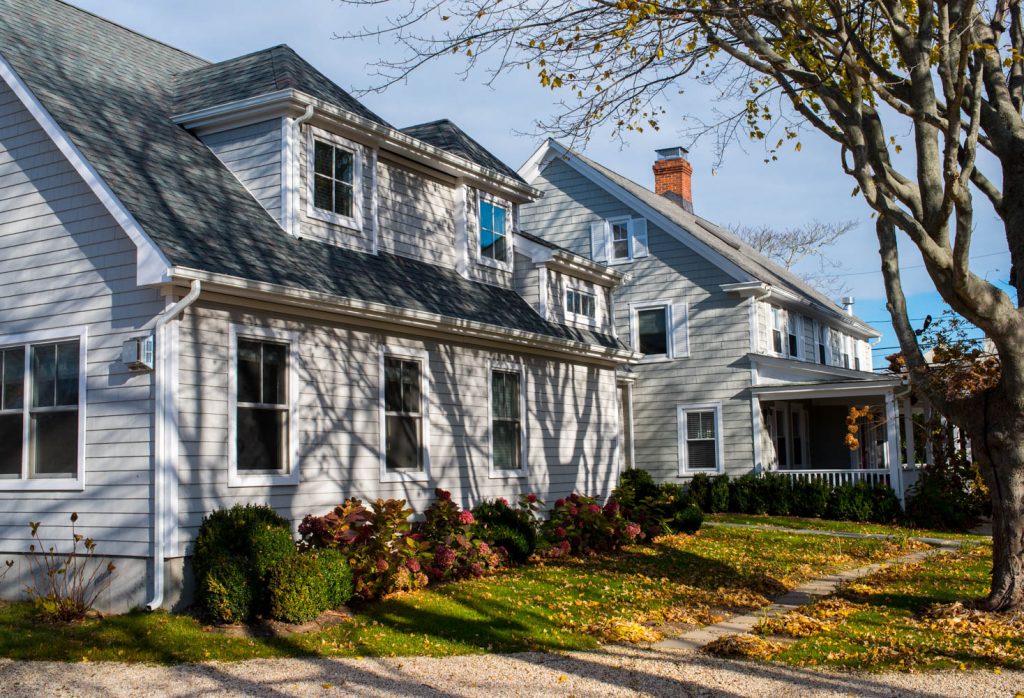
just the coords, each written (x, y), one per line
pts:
(798, 188)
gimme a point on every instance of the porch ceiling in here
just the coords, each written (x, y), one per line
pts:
(880, 387)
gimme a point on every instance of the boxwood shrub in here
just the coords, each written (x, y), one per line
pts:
(810, 497)
(234, 552)
(688, 520)
(303, 587)
(501, 525)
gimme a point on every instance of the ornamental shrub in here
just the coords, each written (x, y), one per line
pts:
(718, 494)
(810, 497)
(234, 552)
(635, 485)
(302, 588)
(456, 552)
(578, 524)
(850, 502)
(377, 542)
(778, 491)
(748, 495)
(653, 507)
(688, 520)
(513, 529)
(885, 505)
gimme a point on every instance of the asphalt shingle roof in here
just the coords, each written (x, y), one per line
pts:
(113, 92)
(270, 70)
(720, 240)
(446, 135)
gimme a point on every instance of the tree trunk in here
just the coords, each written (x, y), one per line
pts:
(999, 450)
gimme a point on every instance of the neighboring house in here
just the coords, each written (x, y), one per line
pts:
(231, 282)
(746, 368)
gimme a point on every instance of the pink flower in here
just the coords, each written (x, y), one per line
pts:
(565, 547)
(531, 498)
(593, 509)
(442, 494)
(573, 511)
(381, 565)
(612, 507)
(476, 570)
(560, 533)
(559, 503)
(503, 501)
(484, 548)
(632, 531)
(413, 565)
(574, 498)
(466, 517)
(444, 557)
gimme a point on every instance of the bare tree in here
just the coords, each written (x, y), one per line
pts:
(807, 243)
(942, 80)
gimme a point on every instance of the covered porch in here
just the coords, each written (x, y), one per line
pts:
(801, 431)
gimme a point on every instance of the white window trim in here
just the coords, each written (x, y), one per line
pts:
(670, 316)
(804, 436)
(482, 196)
(24, 483)
(510, 367)
(291, 477)
(783, 331)
(355, 221)
(610, 240)
(681, 410)
(795, 326)
(423, 357)
(577, 318)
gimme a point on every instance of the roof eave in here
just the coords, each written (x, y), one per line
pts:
(292, 102)
(377, 314)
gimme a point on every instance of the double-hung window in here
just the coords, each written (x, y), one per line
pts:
(262, 394)
(335, 168)
(699, 438)
(580, 304)
(617, 240)
(822, 343)
(620, 239)
(404, 416)
(652, 330)
(42, 406)
(507, 407)
(493, 231)
(778, 322)
(794, 335)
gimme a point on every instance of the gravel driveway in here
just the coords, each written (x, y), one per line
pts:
(625, 671)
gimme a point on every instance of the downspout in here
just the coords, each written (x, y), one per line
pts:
(163, 396)
(293, 183)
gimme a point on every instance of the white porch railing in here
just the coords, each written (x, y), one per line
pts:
(839, 477)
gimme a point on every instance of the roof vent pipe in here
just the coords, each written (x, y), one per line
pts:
(848, 304)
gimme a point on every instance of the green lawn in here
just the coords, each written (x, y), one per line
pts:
(890, 626)
(797, 522)
(562, 605)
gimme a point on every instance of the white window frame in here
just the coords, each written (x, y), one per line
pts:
(821, 340)
(268, 334)
(778, 316)
(24, 483)
(610, 241)
(482, 196)
(507, 367)
(423, 357)
(795, 328)
(355, 221)
(577, 317)
(671, 309)
(681, 410)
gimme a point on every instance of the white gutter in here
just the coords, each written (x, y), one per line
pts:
(164, 394)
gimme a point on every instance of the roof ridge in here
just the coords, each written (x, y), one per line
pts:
(136, 32)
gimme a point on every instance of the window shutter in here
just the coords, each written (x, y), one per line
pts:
(680, 330)
(599, 241)
(638, 232)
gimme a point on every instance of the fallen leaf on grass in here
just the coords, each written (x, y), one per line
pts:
(748, 646)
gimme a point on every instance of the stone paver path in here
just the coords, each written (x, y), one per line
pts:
(805, 593)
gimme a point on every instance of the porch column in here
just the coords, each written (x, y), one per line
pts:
(892, 417)
(908, 428)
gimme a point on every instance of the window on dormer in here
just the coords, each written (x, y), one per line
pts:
(334, 178)
(493, 232)
(581, 304)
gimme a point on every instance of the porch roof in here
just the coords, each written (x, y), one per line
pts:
(879, 385)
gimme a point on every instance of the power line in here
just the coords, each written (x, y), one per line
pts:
(913, 266)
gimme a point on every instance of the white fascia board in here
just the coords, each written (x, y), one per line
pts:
(293, 102)
(377, 313)
(534, 164)
(795, 301)
(678, 232)
(568, 263)
(786, 370)
(839, 390)
(151, 266)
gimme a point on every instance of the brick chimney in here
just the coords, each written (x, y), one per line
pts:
(672, 176)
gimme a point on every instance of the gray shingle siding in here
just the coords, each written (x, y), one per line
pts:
(716, 369)
(253, 154)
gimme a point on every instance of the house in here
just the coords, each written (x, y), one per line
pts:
(232, 282)
(746, 368)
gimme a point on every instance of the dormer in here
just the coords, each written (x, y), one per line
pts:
(328, 169)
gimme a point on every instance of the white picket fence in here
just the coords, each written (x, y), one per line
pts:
(838, 477)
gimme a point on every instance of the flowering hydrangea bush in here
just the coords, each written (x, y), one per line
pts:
(578, 524)
(384, 555)
(456, 551)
